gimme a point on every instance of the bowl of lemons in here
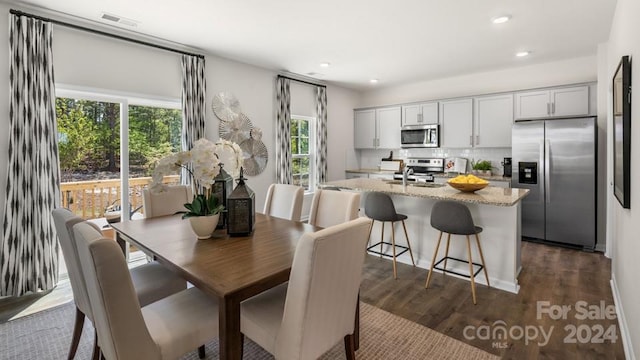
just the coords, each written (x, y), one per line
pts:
(468, 183)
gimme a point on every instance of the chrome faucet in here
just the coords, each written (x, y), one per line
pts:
(405, 174)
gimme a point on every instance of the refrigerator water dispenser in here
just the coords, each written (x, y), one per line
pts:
(528, 172)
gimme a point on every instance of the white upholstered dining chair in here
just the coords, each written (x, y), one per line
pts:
(330, 207)
(284, 201)
(167, 202)
(151, 281)
(165, 329)
(307, 316)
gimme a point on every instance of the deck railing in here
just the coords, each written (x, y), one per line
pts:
(90, 199)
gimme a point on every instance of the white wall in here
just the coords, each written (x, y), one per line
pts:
(88, 60)
(624, 40)
(525, 77)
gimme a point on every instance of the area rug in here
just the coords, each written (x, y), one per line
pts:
(46, 335)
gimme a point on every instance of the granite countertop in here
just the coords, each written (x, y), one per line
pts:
(491, 195)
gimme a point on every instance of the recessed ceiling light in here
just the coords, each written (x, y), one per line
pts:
(325, 64)
(501, 19)
(373, 81)
(523, 53)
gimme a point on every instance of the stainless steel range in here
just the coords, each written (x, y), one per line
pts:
(422, 169)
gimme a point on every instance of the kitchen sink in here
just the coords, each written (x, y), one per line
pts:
(416, 184)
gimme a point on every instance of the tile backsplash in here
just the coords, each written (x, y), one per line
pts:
(369, 159)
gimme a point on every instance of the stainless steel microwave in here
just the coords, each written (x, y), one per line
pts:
(420, 136)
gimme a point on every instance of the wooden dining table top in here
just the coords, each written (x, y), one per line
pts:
(221, 266)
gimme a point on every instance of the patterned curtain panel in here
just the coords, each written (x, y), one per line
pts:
(193, 104)
(29, 246)
(283, 131)
(321, 134)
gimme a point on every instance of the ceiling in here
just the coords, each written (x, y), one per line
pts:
(393, 41)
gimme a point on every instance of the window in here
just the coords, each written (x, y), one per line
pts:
(302, 154)
(110, 142)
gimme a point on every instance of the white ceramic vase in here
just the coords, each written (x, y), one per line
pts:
(204, 226)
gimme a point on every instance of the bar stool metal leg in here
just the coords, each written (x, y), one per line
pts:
(408, 243)
(473, 283)
(486, 275)
(393, 247)
(381, 239)
(446, 254)
(433, 261)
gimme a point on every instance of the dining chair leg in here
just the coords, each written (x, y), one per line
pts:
(381, 238)
(393, 248)
(471, 277)
(356, 325)
(446, 254)
(370, 229)
(486, 275)
(433, 261)
(201, 352)
(77, 332)
(349, 347)
(241, 345)
(406, 236)
(96, 348)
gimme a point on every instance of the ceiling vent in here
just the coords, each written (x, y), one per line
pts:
(119, 20)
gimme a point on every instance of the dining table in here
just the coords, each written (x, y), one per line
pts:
(230, 269)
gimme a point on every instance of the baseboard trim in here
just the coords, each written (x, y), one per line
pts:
(622, 321)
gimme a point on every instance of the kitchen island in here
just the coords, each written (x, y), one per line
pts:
(495, 209)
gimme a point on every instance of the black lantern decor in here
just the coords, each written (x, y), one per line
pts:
(241, 209)
(222, 188)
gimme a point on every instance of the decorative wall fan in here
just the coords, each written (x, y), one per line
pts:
(255, 156)
(226, 106)
(236, 130)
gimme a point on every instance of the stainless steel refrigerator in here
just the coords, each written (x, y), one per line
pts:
(556, 160)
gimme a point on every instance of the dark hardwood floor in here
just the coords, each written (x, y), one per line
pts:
(558, 275)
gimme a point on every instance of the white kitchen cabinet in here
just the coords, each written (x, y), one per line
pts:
(567, 101)
(377, 128)
(364, 129)
(492, 120)
(498, 183)
(355, 175)
(388, 127)
(381, 176)
(456, 119)
(420, 114)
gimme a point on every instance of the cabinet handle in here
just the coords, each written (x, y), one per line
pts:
(477, 139)
(471, 140)
(553, 108)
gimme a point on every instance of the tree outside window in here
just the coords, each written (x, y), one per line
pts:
(302, 142)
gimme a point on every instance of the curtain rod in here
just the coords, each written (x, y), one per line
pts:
(302, 81)
(103, 33)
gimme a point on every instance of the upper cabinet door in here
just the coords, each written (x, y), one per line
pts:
(411, 115)
(572, 101)
(493, 119)
(429, 113)
(389, 120)
(456, 118)
(364, 129)
(532, 104)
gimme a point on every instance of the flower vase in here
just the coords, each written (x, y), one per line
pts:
(204, 226)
